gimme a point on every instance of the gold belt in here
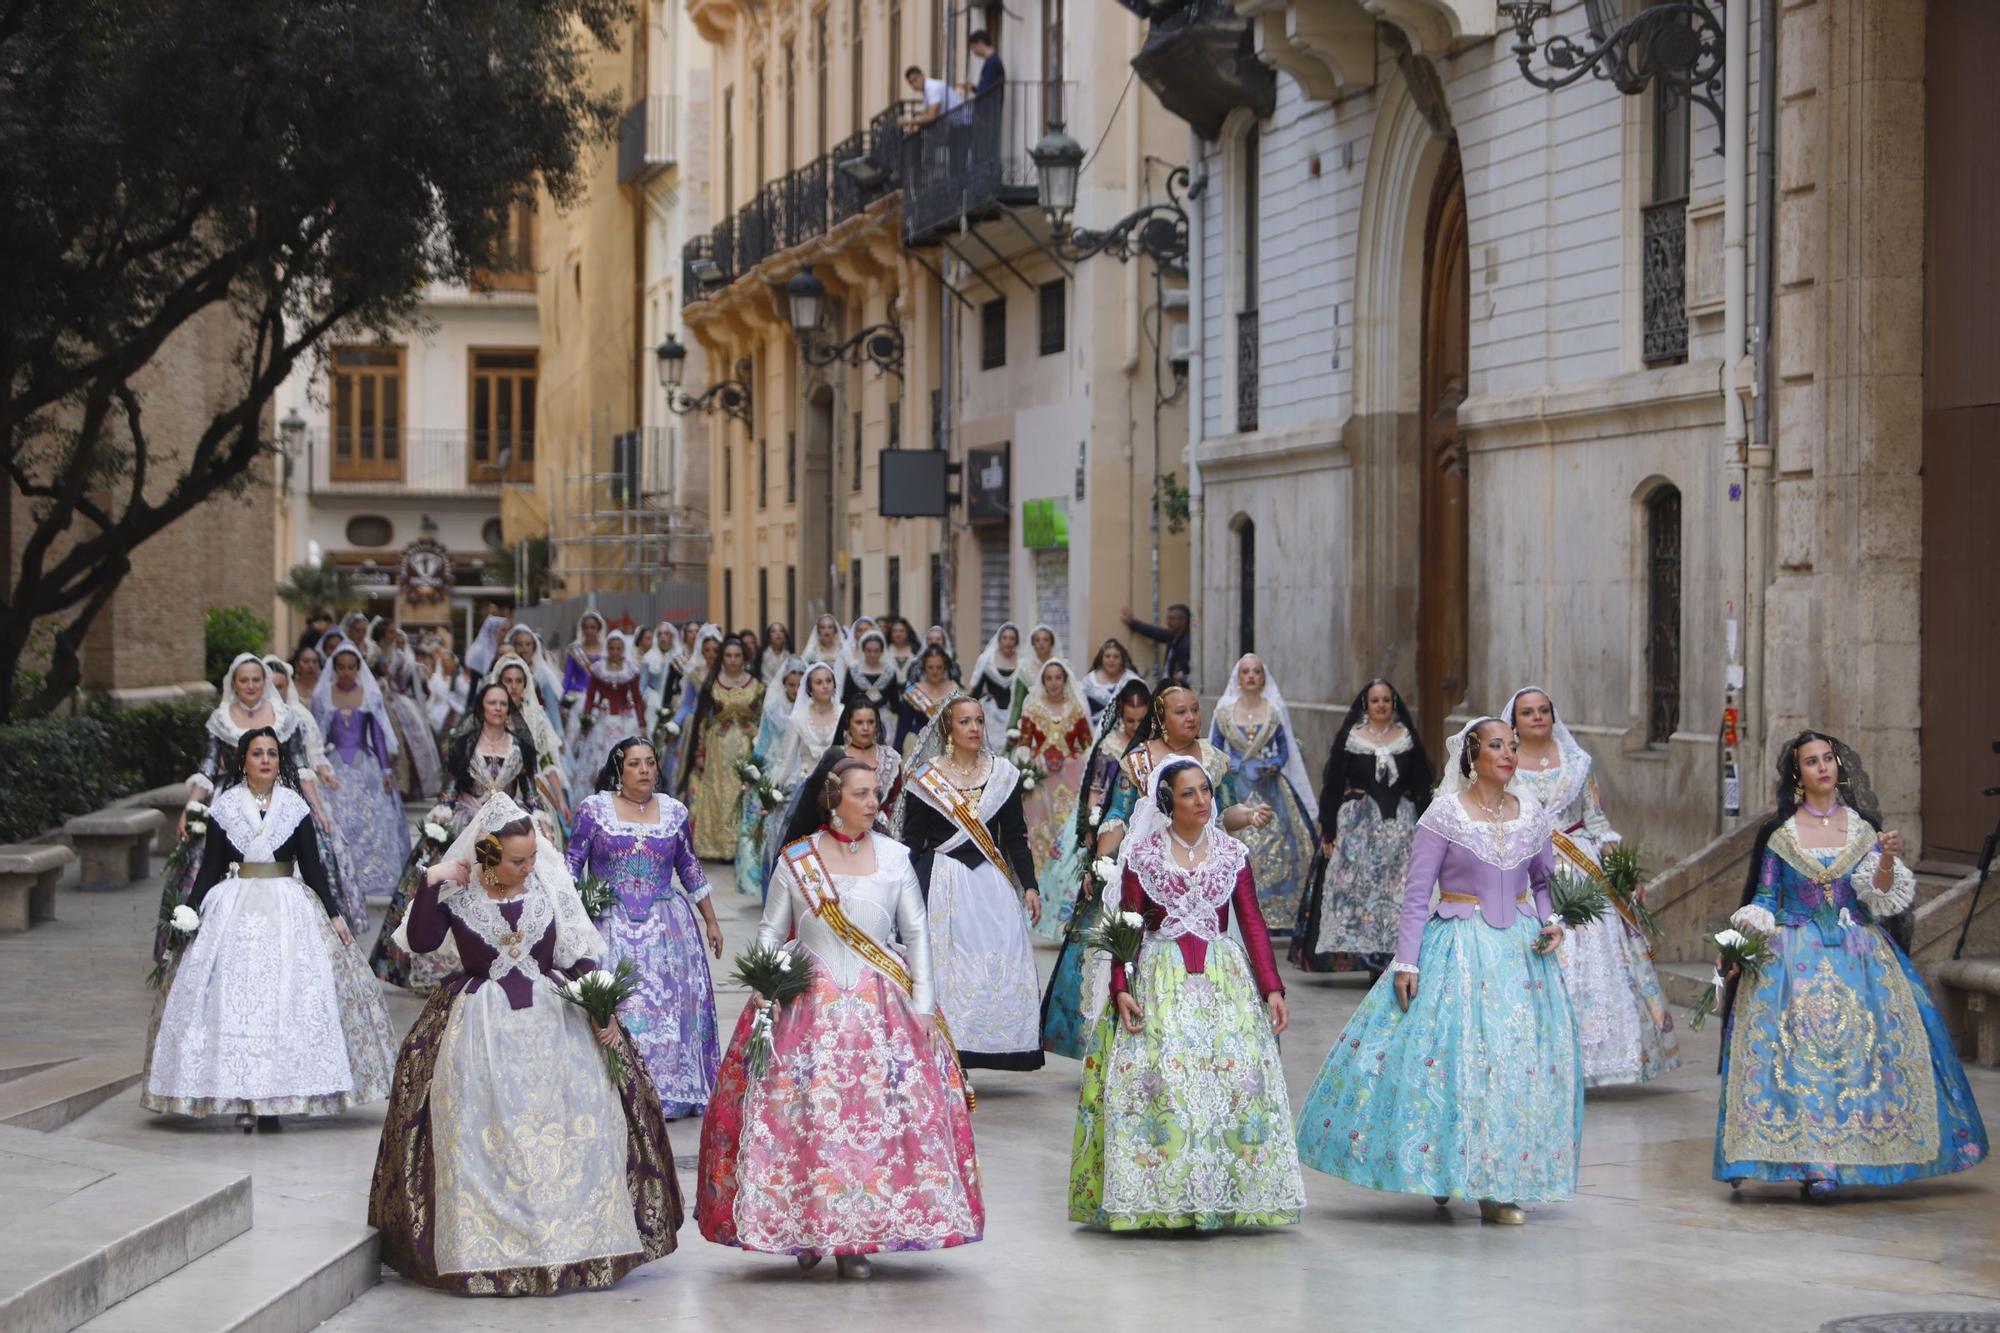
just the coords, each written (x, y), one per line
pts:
(1448, 896)
(264, 870)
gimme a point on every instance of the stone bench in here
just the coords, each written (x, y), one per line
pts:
(28, 875)
(169, 800)
(1968, 995)
(114, 845)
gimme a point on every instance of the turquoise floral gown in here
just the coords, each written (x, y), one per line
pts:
(1835, 1063)
(1281, 853)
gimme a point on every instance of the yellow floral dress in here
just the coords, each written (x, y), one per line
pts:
(723, 736)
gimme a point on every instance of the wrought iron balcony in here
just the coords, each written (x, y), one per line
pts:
(1664, 285)
(1201, 60)
(806, 202)
(973, 161)
(647, 139)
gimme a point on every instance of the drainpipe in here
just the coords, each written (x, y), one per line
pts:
(1735, 430)
(1197, 408)
(1763, 450)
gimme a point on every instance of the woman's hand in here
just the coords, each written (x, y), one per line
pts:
(340, 929)
(1550, 939)
(1261, 815)
(1034, 900)
(607, 1036)
(1129, 1013)
(458, 872)
(1406, 989)
(1891, 842)
(713, 930)
(1731, 974)
(389, 783)
(181, 829)
(1326, 846)
(325, 774)
(1281, 1017)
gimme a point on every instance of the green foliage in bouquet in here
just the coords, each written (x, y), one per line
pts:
(599, 994)
(1622, 878)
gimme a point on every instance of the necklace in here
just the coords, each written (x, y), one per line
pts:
(1189, 847)
(1492, 811)
(264, 800)
(1377, 735)
(850, 845)
(1825, 817)
(968, 772)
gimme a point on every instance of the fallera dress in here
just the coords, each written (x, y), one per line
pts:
(1057, 738)
(265, 1011)
(1477, 1091)
(373, 831)
(1368, 805)
(1187, 1123)
(510, 1163)
(653, 923)
(1835, 1063)
(722, 731)
(858, 1137)
(1281, 851)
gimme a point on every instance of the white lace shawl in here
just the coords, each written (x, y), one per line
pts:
(1194, 898)
(256, 835)
(1502, 846)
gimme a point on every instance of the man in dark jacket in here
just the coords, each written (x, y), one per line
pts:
(1175, 669)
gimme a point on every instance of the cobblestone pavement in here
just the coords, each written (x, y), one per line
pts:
(1650, 1242)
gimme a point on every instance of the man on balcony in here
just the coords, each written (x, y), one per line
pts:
(937, 148)
(988, 98)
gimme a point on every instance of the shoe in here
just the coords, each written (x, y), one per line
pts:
(1502, 1214)
(246, 1123)
(268, 1124)
(809, 1260)
(1441, 1200)
(1735, 1184)
(1818, 1191)
(854, 1266)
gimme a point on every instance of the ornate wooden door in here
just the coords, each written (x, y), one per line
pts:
(1446, 537)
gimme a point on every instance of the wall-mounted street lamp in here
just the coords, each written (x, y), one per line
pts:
(880, 344)
(732, 396)
(1159, 231)
(1679, 44)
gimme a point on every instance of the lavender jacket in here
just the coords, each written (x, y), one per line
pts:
(1499, 870)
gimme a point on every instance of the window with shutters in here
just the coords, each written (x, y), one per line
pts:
(822, 79)
(365, 394)
(792, 600)
(1055, 317)
(855, 570)
(993, 334)
(996, 584)
(791, 467)
(857, 70)
(501, 442)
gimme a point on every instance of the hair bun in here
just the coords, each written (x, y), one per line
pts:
(487, 850)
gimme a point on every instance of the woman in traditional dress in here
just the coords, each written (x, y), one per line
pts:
(269, 1010)
(857, 732)
(1622, 1019)
(778, 652)
(937, 636)
(495, 756)
(809, 729)
(860, 734)
(858, 1138)
(1254, 728)
(1109, 670)
(612, 708)
(673, 738)
(928, 691)
(485, 645)
(961, 819)
(1459, 1076)
(511, 1162)
(449, 688)
(527, 645)
(1837, 1068)
(361, 748)
(1064, 1029)
(307, 666)
(992, 682)
(583, 653)
(637, 840)
(403, 691)
(871, 675)
(308, 755)
(902, 645)
(516, 677)
(1191, 1046)
(719, 737)
(828, 645)
(1173, 728)
(1055, 741)
(1377, 781)
(1041, 650)
(653, 646)
(753, 826)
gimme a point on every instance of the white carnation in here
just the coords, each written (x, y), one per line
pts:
(1133, 919)
(1096, 815)
(752, 772)
(186, 920)
(784, 962)
(197, 826)
(1105, 869)
(440, 814)
(602, 978)
(435, 832)
(1021, 755)
(574, 990)
(673, 728)
(196, 808)
(1730, 938)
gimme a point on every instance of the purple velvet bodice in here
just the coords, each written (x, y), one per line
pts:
(639, 860)
(349, 729)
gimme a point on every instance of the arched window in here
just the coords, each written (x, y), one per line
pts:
(1246, 584)
(1663, 614)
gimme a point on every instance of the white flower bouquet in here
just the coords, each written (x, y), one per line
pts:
(595, 890)
(1117, 933)
(1744, 950)
(181, 923)
(197, 819)
(599, 994)
(776, 976)
(672, 728)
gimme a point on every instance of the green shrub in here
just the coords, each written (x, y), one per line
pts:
(51, 770)
(229, 630)
(157, 744)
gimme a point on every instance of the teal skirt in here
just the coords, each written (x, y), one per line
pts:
(1475, 1093)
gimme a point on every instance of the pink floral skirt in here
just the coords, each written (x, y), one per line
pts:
(856, 1139)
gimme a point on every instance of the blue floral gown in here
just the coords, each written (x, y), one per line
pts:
(1281, 853)
(1835, 1063)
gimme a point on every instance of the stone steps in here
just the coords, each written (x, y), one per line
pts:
(1683, 983)
(48, 1094)
(83, 1225)
(292, 1271)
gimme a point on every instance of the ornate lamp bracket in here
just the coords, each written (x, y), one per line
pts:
(1678, 44)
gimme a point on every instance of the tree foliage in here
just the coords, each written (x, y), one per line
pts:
(303, 165)
(310, 587)
(227, 632)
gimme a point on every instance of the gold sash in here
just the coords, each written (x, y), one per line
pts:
(824, 899)
(959, 810)
(1587, 863)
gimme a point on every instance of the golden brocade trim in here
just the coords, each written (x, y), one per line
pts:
(264, 870)
(1450, 896)
(959, 810)
(1842, 1084)
(1572, 851)
(1786, 846)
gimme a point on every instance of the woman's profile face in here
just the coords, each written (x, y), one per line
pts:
(711, 653)
(858, 799)
(1133, 711)
(1182, 718)
(517, 858)
(1493, 757)
(792, 686)
(644, 641)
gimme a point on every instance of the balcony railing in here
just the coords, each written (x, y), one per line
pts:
(647, 139)
(973, 160)
(393, 461)
(1200, 60)
(806, 202)
(698, 269)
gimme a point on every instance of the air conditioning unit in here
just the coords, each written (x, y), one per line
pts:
(1180, 344)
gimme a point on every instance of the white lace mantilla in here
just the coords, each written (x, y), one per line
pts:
(1384, 754)
(1193, 899)
(256, 834)
(1502, 845)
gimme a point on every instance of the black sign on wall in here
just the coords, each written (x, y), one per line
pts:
(987, 491)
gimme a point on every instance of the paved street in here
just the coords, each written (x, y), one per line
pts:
(1650, 1243)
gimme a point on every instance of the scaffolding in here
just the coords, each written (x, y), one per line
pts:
(617, 525)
